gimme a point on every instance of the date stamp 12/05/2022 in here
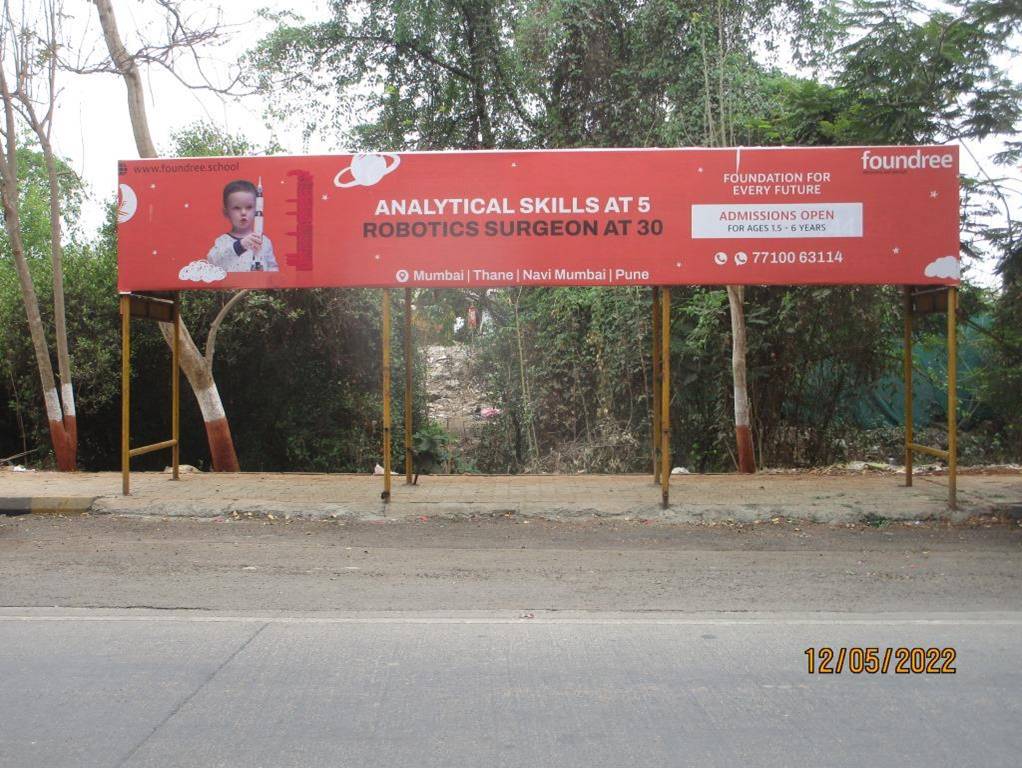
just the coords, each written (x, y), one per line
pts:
(901, 660)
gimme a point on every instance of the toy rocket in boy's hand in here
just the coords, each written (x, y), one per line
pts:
(257, 224)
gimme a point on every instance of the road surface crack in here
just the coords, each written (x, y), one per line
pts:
(190, 696)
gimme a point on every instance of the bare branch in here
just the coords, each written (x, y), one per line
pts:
(998, 192)
(214, 327)
(231, 89)
(181, 38)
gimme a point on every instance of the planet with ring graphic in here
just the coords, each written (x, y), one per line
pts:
(367, 169)
(127, 203)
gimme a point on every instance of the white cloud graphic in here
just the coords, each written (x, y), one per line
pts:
(945, 266)
(201, 272)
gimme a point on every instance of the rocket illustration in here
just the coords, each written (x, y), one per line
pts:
(257, 224)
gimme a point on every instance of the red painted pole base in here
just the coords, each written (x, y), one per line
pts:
(746, 454)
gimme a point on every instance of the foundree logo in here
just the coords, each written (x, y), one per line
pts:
(900, 162)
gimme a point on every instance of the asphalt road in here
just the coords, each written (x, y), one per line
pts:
(96, 689)
(502, 644)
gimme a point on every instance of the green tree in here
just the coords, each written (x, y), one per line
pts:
(28, 87)
(912, 74)
(427, 75)
(564, 73)
(26, 428)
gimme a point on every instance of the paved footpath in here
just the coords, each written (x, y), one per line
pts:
(694, 498)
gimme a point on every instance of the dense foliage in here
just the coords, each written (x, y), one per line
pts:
(569, 368)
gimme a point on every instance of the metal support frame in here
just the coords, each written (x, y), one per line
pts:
(386, 396)
(907, 376)
(656, 385)
(665, 396)
(916, 301)
(160, 310)
(921, 301)
(952, 396)
(387, 420)
(408, 386)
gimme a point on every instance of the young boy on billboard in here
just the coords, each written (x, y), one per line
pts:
(245, 248)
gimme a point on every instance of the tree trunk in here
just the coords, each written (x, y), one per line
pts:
(128, 68)
(739, 346)
(12, 222)
(58, 435)
(718, 135)
(35, 326)
(198, 373)
(67, 393)
(476, 16)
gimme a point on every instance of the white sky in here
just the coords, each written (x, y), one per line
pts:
(92, 129)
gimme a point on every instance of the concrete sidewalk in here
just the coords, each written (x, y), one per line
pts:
(812, 496)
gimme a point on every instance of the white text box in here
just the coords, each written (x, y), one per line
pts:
(785, 220)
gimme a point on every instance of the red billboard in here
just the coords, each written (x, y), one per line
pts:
(745, 215)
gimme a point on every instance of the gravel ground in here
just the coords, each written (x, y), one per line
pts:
(507, 563)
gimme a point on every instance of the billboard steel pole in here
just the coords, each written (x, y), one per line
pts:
(408, 386)
(125, 393)
(656, 384)
(907, 373)
(952, 396)
(665, 396)
(175, 389)
(386, 394)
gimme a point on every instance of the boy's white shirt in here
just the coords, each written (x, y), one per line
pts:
(222, 255)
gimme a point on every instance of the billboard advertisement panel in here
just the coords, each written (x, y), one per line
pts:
(831, 215)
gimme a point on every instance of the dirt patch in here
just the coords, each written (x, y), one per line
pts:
(457, 401)
(507, 563)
